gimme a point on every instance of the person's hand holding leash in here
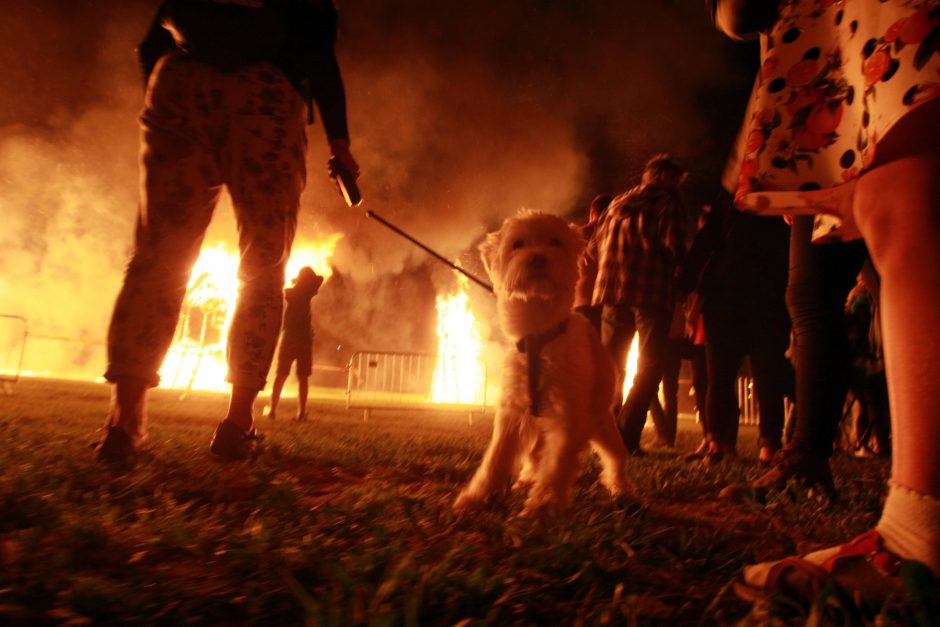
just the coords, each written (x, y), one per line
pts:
(344, 171)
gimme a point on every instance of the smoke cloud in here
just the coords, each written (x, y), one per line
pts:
(460, 114)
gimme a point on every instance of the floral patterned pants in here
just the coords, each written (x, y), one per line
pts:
(202, 129)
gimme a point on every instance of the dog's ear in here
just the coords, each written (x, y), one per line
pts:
(489, 251)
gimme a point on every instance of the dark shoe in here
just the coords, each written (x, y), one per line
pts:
(717, 453)
(811, 471)
(117, 449)
(233, 443)
(698, 453)
(713, 458)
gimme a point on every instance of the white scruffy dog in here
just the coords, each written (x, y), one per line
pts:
(558, 381)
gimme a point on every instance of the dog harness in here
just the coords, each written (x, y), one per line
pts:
(531, 346)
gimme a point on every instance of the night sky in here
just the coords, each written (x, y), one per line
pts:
(461, 113)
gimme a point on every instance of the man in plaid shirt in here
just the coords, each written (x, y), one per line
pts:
(638, 246)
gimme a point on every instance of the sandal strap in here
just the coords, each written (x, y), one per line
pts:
(869, 545)
(814, 575)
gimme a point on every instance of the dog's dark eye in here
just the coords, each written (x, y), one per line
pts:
(555, 242)
(518, 244)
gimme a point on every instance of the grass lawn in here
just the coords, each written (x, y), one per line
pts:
(348, 522)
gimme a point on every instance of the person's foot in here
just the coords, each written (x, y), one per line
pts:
(718, 453)
(765, 456)
(863, 569)
(698, 453)
(233, 443)
(789, 466)
(812, 470)
(662, 442)
(117, 449)
(270, 412)
(713, 458)
(302, 417)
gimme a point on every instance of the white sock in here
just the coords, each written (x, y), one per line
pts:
(910, 526)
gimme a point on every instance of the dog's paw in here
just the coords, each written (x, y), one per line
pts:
(543, 512)
(542, 504)
(619, 486)
(466, 501)
(522, 485)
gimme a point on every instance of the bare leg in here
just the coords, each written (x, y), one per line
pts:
(898, 211)
(302, 389)
(276, 389)
(128, 408)
(240, 407)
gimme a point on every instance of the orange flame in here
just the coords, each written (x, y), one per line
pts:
(460, 373)
(633, 357)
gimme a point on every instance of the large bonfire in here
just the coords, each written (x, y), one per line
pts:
(196, 359)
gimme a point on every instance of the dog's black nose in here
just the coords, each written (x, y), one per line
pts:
(538, 261)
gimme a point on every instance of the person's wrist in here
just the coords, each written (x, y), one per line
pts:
(339, 144)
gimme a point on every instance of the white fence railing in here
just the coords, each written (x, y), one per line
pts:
(385, 380)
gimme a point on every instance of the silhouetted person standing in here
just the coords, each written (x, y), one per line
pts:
(587, 264)
(638, 245)
(296, 340)
(226, 88)
(738, 265)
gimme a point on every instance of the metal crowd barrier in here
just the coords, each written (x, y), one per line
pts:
(750, 410)
(747, 401)
(390, 380)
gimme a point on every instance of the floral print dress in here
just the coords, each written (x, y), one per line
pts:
(835, 77)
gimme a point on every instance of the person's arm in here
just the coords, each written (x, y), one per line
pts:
(326, 80)
(743, 19)
(328, 92)
(678, 235)
(155, 44)
(706, 242)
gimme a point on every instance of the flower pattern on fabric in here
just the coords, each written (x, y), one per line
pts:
(202, 129)
(835, 76)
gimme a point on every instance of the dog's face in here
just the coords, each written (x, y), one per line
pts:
(533, 255)
(533, 259)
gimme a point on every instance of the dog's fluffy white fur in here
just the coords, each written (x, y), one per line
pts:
(532, 261)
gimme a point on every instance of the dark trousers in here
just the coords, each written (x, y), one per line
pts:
(618, 326)
(666, 416)
(733, 331)
(821, 276)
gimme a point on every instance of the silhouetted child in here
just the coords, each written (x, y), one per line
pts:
(296, 340)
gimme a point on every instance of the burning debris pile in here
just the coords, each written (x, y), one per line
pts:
(196, 359)
(460, 374)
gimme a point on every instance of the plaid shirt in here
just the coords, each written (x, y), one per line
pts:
(638, 245)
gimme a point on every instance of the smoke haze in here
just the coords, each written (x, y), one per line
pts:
(461, 113)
